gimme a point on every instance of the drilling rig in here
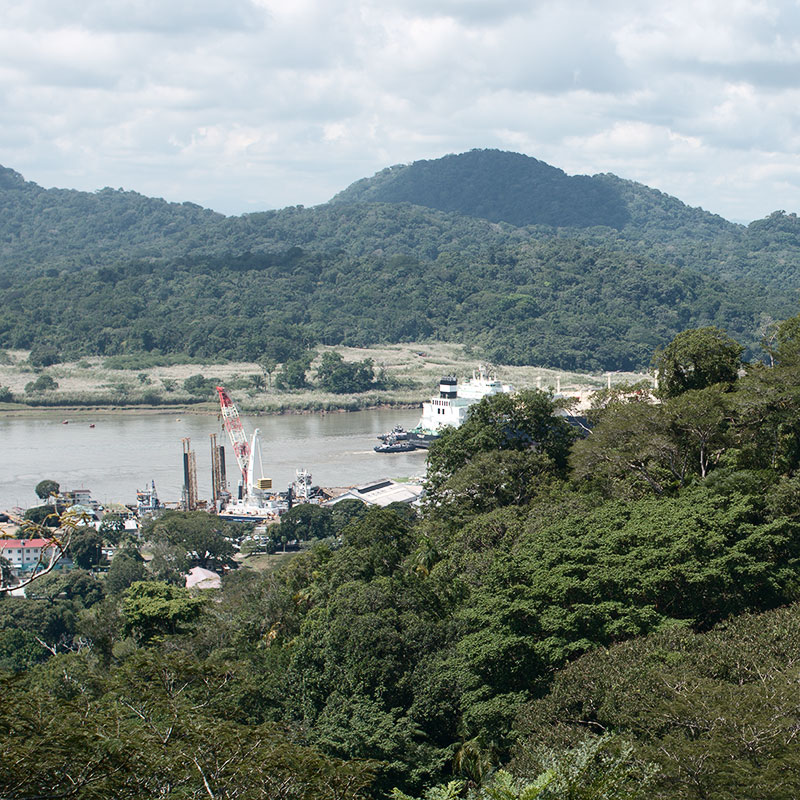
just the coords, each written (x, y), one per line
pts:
(219, 482)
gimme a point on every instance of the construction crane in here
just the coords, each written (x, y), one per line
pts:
(233, 424)
(248, 455)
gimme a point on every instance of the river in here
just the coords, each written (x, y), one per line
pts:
(123, 452)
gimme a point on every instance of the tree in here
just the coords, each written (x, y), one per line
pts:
(44, 356)
(525, 421)
(491, 480)
(200, 386)
(334, 374)
(293, 374)
(152, 609)
(44, 383)
(698, 422)
(157, 723)
(75, 585)
(598, 768)
(787, 352)
(169, 563)
(268, 366)
(377, 543)
(127, 567)
(112, 528)
(306, 521)
(46, 489)
(695, 359)
(47, 516)
(86, 547)
(766, 415)
(20, 650)
(662, 446)
(346, 511)
(715, 711)
(205, 539)
(625, 446)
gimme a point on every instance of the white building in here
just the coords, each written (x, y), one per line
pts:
(381, 493)
(25, 554)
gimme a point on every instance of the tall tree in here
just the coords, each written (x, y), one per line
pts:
(524, 422)
(46, 489)
(204, 538)
(695, 359)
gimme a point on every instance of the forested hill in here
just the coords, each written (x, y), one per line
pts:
(64, 228)
(600, 209)
(514, 188)
(114, 271)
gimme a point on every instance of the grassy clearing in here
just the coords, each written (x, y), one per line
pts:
(263, 562)
(416, 367)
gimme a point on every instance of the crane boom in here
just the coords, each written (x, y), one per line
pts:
(233, 424)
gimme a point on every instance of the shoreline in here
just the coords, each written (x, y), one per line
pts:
(13, 410)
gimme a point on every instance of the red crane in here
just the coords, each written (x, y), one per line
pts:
(233, 424)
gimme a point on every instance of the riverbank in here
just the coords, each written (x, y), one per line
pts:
(95, 384)
(17, 410)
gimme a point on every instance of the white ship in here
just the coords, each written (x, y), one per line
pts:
(450, 408)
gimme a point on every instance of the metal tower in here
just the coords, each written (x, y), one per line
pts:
(219, 486)
(189, 476)
(233, 424)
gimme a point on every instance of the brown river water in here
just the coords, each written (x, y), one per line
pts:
(123, 452)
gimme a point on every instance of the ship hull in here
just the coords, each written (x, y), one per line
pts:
(421, 441)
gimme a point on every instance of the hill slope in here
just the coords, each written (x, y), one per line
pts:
(114, 272)
(514, 188)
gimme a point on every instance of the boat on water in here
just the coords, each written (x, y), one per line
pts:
(450, 408)
(398, 433)
(394, 445)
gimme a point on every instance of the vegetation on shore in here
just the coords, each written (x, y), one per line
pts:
(491, 250)
(402, 375)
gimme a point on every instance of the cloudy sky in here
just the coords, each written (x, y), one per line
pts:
(244, 105)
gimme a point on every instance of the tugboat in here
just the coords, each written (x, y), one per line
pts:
(398, 432)
(392, 445)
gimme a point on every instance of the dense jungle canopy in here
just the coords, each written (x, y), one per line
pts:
(496, 250)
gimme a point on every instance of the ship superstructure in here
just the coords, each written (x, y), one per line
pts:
(450, 408)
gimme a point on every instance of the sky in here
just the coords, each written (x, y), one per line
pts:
(247, 105)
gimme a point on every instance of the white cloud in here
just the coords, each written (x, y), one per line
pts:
(250, 104)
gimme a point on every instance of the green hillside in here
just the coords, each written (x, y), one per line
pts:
(518, 189)
(115, 272)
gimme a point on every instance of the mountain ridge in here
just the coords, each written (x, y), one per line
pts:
(145, 274)
(524, 190)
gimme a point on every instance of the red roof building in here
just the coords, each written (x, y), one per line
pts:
(24, 552)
